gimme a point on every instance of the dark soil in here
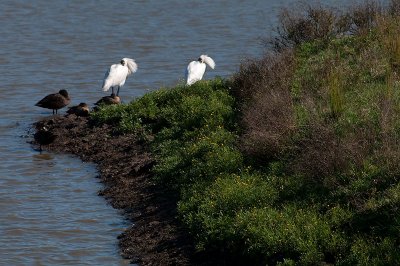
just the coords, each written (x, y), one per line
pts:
(156, 237)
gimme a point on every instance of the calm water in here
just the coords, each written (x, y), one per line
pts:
(50, 213)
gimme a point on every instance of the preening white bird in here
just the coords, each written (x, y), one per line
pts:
(195, 70)
(118, 73)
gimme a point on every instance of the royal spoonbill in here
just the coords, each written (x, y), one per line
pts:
(81, 109)
(117, 74)
(55, 101)
(195, 70)
(108, 100)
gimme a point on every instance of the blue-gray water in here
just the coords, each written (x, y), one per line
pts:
(50, 213)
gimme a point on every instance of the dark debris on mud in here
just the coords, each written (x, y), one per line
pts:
(156, 236)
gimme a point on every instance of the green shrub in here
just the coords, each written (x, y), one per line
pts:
(213, 209)
(296, 159)
(200, 158)
(294, 233)
(373, 251)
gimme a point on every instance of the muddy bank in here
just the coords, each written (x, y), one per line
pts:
(156, 237)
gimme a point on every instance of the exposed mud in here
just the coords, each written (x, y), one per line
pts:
(156, 237)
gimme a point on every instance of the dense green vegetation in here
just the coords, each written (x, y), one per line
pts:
(296, 159)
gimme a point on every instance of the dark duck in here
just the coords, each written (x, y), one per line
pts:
(109, 100)
(55, 101)
(44, 137)
(80, 110)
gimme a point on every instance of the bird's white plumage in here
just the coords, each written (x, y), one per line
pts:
(131, 64)
(196, 69)
(208, 60)
(117, 74)
(195, 72)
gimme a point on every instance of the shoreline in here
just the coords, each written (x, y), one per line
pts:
(155, 236)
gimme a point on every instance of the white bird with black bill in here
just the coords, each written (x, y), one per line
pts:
(196, 69)
(118, 73)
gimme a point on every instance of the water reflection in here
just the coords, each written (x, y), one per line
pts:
(42, 156)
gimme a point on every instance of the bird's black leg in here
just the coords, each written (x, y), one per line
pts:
(118, 90)
(112, 89)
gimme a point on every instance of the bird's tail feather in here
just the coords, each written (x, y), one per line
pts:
(106, 86)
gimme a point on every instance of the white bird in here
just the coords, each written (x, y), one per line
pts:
(117, 74)
(195, 70)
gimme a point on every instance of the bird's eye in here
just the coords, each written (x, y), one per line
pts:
(122, 62)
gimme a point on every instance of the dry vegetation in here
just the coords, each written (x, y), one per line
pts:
(294, 101)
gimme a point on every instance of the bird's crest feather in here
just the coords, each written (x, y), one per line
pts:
(131, 64)
(208, 60)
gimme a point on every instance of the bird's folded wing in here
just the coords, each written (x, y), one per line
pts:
(114, 76)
